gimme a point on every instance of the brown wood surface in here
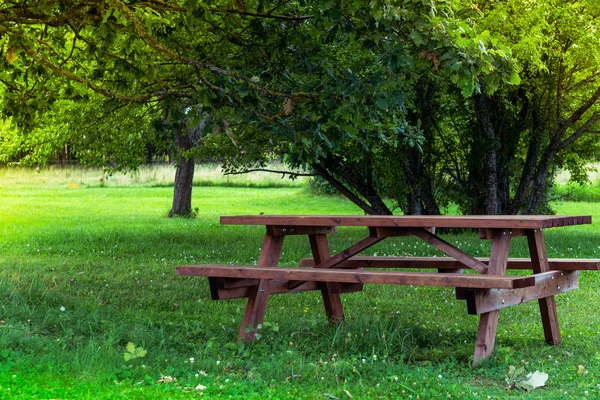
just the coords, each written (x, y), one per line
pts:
(450, 263)
(331, 262)
(300, 230)
(238, 291)
(459, 255)
(488, 322)
(539, 261)
(257, 299)
(547, 284)
(474, 221)
(330, 291)
(360, 276)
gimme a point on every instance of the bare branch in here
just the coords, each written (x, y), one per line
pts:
(247, 171)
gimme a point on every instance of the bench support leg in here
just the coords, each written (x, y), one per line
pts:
(488, 322)
(539, 262)
(257, 300)
(330, 291)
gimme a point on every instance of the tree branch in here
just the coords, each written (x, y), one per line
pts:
(152, 42)
(579, 132)
(295, 18)
(70, 76)
(576, 116)
(247, 171)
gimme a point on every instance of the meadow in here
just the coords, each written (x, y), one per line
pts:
(90, 307)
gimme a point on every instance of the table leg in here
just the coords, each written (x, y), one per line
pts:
(257, 300)
(539, 262)
(329, 290)
(488, 322)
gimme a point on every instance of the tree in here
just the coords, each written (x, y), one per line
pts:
(524, 135)
(331, 84)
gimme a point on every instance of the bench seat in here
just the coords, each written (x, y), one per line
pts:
(473, 281)
(565, 264)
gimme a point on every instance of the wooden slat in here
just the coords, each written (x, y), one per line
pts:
(385, 231)
(450, 249)
(547, 284)
(361, 276)
(487, 233)
(349, 252)
(571, 264)
(300, 230)
(473, 221)
(331, 262)
(277, 287)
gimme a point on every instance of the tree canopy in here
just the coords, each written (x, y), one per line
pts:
(426, 102)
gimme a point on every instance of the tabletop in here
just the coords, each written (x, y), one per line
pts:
(424, 221)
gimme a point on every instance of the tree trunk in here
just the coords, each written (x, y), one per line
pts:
(418, 164)
(487, 129)
(186, 139)
(182, 193)
(353, 181)
(537, 197)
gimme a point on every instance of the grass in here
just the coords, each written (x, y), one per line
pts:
(85, 270)
(158, 175)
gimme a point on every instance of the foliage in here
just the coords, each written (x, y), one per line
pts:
(426, 102)
(329, 84)
(115, 138)
(517, 378)
(134, 352)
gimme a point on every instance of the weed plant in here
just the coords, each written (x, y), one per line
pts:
(87, 278)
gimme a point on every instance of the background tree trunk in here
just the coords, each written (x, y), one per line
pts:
(182, 193)
(187, 138)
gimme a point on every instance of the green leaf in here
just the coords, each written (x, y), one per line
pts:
(140, 352)
(350, 129)
(382, 104)
(417, 38)
(231, 346)
(131, 347)
(515, 79)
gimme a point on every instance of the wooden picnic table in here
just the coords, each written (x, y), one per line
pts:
(486, 291)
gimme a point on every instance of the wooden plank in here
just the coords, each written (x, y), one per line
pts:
(330, 291)
(331, 262)
(257, 299)
(472, 221)
(547, 284)
(570, 264)
(487, 233)
(451, 250)
(383, 232)
(488, 322)
(279, 287)
(273, 230)
(539, 261)
(349, 252)
(360, 276)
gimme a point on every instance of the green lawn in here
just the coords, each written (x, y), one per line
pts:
(84, 270)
